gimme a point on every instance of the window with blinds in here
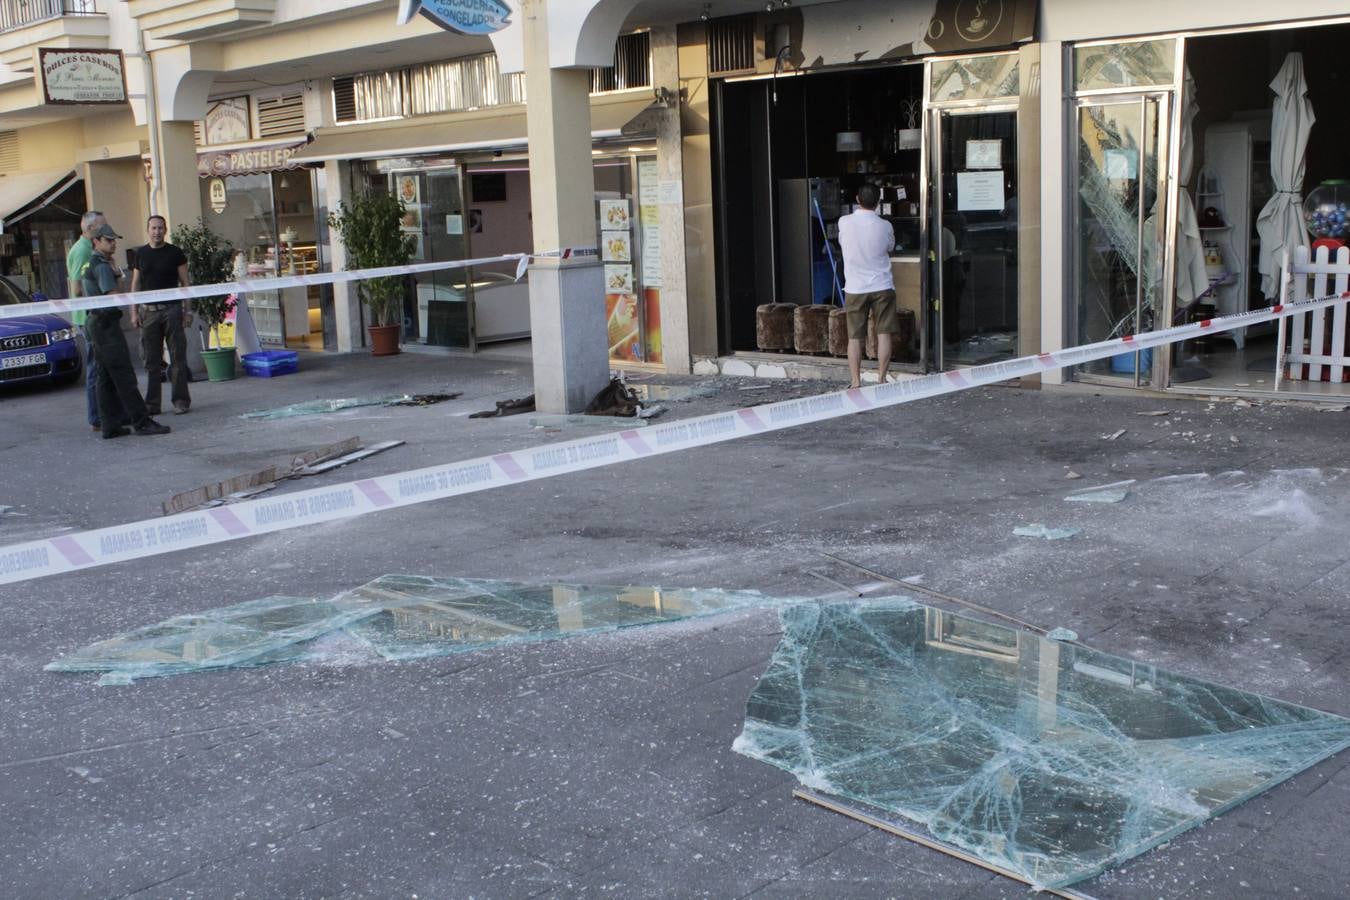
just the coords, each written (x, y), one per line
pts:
(731, 44)
(9, 151)
(281, 115)
(632, 65)
(472, 82)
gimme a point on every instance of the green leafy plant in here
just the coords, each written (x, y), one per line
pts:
(369, 226)
(210, 261)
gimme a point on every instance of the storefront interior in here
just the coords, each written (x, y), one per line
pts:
(478, 207)
(271, 221)
(1232, 182)
(784, 145)
(38, 236)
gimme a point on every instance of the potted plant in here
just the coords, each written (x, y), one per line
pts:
(369, 226)
(210, 261)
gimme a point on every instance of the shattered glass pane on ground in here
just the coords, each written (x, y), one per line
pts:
(319, 407)
(399, 617)
(423, 616)
(1042, 758)
(255, 633)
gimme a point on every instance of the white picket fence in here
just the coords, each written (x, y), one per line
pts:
(1316, 340)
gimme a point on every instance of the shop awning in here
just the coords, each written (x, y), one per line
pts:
(24, 194)
(451, 133)
(249, 159)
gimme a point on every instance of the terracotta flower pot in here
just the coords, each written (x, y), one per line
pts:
(384, 339)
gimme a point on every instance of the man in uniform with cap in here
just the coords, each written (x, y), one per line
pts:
(116, 377)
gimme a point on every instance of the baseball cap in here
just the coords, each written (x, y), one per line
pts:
(106, 231)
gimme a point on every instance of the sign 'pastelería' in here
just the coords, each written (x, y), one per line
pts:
(464, 16)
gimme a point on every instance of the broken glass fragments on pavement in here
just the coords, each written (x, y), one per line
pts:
(1043, 758)
(249, 634)
(398, 616)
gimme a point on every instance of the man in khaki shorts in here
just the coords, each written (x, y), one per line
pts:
(867, 241)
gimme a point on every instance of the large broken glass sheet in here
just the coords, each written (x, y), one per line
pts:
(249, 634)
(1043, 758)
(423, 616)
(320, 407)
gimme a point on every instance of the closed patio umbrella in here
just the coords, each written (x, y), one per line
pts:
(1280, 223)
(1192, 280)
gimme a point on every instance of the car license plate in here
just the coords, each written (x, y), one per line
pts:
(28, 359)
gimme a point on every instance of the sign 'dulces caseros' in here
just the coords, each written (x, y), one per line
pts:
(463, 16)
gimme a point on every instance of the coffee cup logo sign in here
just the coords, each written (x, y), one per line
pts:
(463, 16)
(82, 76)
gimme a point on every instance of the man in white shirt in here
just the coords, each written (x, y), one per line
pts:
(867, 241)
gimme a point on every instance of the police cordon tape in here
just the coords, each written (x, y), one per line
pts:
(252, 285)
(151, 537)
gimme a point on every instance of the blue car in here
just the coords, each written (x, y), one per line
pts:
(35, 349)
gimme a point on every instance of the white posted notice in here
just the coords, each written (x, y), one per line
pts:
(979, 191)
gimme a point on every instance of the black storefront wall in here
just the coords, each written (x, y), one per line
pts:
(772, 129)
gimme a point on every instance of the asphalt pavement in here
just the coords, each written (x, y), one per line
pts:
(602, 765)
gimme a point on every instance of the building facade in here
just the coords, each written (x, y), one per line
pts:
(1056, 172)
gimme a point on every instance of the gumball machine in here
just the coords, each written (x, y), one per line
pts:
(1326, 213)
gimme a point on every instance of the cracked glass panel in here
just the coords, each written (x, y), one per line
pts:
(1046, 759)
(433, 616)
(255, 633)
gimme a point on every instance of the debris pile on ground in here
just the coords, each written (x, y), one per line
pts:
(242, 487)
(513, 407)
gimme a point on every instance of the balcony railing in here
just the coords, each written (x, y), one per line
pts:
(22, 13)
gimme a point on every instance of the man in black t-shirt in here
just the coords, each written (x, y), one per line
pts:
(161, 265)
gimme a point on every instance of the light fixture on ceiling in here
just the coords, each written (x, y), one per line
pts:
(706, 14)
(284, 183)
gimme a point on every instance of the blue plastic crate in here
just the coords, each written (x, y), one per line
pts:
(1123, 363)
(270, 363)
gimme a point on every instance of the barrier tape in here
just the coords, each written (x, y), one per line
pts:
(251, 285)
(151, 537)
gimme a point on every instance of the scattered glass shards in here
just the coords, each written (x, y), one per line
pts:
(1044, 531)
(249, 634)
(433, 616)
(319, 407)
(1098, 497)
(398, 616)
(675, 393)
(1042, 758)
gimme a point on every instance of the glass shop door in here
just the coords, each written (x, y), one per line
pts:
(1117, 235)
(972, 236)
(440, 311)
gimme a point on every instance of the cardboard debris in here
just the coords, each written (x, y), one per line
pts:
(1113, 435)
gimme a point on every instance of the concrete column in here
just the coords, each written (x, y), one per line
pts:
(670, 173)
(567, 300)
(179, 198)
(346, 300)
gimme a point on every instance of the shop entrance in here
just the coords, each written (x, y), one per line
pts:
(1228, 122)
(791, 154)
(973, 233)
